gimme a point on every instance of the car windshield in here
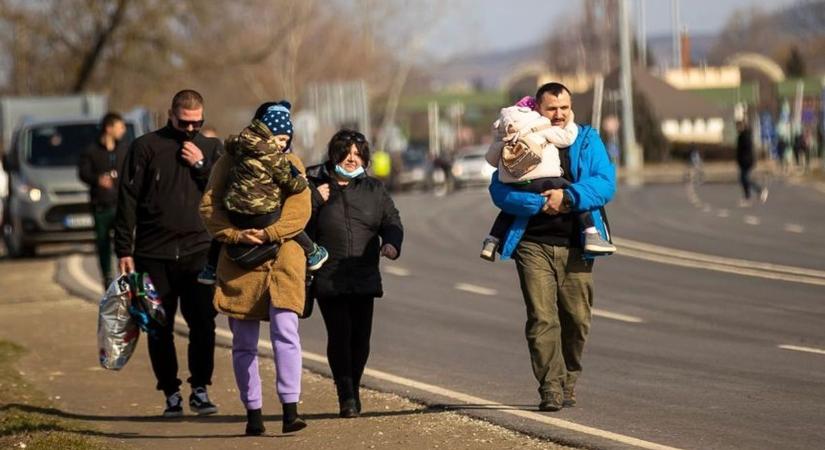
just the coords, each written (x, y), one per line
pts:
(413, 157)
(61, 145)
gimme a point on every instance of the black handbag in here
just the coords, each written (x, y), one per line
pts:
(250, 256)
(309, 299)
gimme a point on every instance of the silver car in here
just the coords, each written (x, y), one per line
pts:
(47, 202)
(471, 168)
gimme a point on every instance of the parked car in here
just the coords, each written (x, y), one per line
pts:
(470, 168)
(414, 170)
(47, 202)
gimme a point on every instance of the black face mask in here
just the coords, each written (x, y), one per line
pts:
(182, 135)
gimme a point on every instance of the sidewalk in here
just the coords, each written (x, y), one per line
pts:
(59, 332)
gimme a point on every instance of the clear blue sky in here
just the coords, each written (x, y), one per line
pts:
(478, 26)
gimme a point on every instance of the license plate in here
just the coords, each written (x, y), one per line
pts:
(78, 221)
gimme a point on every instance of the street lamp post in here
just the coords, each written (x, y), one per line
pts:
(633, 154)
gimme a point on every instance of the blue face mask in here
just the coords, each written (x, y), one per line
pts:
(347, 174)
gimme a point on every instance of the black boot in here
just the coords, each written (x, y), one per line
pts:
(292, 421)
(346, 398)
(254, 422)
(356, 389)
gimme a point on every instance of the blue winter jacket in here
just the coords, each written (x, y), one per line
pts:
(594, 183)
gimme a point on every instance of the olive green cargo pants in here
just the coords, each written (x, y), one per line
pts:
(557, 285)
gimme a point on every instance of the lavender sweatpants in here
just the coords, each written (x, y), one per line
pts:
(286, 345)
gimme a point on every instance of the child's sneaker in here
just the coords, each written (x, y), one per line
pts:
(317, 258)
(174, 406)
(208, 276)
(593, 243)
(488, 248)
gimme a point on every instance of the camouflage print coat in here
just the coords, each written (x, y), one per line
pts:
(261, 176)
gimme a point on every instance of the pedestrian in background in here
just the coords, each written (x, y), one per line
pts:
(274, 291)
(99, 167)
(546, 242)
(746, 159)
(354, 217)
(159, 231)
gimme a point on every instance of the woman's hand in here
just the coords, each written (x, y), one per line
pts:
(323, 190)
(252, 236)
(388, 251)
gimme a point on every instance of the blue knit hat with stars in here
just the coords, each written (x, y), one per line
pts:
(277, 118)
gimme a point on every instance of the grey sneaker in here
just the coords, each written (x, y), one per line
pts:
(199, 402)
(593, 243)
(551, 401)
(174, 406)
(488, 248)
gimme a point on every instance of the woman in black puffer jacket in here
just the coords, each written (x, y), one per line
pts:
(354, 217)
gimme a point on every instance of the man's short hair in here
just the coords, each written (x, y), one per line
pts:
(187, 99)
(552, 88)
(109, 119)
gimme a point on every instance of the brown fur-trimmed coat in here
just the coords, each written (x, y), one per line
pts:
(242, 293)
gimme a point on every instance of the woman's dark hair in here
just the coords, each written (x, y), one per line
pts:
(340, 144)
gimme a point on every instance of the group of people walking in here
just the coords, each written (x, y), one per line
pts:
(184, 208)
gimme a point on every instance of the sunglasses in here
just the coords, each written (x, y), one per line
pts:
(353, 136)
(185, 123)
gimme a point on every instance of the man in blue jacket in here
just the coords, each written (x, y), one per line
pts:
(546, 243)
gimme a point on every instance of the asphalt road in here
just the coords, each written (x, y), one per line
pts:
(687, 357)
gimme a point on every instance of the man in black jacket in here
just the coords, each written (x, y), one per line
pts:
(99, 167)
(158, 231)
(745, 159)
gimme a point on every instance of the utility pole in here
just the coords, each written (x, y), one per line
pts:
(642, 34)
(677, 39)
(633, 154)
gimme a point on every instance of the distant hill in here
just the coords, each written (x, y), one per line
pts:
(485, 70)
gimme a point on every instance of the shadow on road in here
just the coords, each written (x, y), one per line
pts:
(229, 418)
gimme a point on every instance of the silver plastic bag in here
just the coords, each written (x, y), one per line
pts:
(117, 331)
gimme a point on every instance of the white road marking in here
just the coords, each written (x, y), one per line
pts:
(395, 270)
(683, 258)
(76, 271)
(722, 213)
(475, 289)
(794, 228)
(616, 316)
(797, 348)
(707, 208)
(752, 220)
(75, 267)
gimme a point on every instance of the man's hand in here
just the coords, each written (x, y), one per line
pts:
(553, 205)
(105, 181)
(126, 265)
(323, 190)
(191, 153)
(252, 236)
(388, 251)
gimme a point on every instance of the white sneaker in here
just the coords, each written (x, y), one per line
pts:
(763, 195)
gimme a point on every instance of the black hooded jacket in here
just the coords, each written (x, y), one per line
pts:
(94, 162)
(353, 225)
(157, 210)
